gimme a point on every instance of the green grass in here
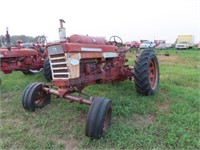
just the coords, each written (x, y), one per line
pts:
(167, 120)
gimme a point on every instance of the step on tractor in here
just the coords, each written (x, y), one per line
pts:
(29, 60)
(79, 61)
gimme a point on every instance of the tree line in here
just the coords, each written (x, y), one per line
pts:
(23, 38)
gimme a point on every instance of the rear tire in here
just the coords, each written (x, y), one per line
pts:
(34, 97)
(47, 70)
(146, 73)
(98, 117)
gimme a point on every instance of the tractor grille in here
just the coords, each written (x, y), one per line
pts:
(63, 65)
(58, 62)
(59, 67)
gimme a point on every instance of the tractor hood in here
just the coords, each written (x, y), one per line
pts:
(15, 52)
(76, 38)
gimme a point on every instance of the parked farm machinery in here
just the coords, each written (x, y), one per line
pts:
(26, 59)
(81, 61)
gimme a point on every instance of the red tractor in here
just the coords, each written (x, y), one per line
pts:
(27, 60)
(80, 61)
(133, 44)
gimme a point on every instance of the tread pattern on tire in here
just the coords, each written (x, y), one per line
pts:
(95, 117)
(47, 70)
(25, 101)
(141, 75)
(27, 97)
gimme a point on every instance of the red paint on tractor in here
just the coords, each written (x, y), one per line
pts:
(75, 38)
(16, 52)
(22, 59)
(81, 61)
(82, 47)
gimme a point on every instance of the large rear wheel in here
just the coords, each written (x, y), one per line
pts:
(146, 73)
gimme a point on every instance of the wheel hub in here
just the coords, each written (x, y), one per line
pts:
(153, 74)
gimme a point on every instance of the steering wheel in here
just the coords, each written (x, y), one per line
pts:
(116, 40)
(3, 42)
(41, 40)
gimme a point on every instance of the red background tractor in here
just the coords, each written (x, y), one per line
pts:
(27, 60)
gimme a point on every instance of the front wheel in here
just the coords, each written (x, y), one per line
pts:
(147, 74)
(98, 117)
(35, 97)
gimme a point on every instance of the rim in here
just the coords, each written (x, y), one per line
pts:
(153, 74)
(35, 71)
(107, 119)
(40, 98)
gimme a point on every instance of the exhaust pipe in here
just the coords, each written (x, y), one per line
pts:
(62, 32)
(8, 39)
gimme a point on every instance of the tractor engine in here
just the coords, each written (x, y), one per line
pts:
(20, 60)
(84, 60)
(28, 60)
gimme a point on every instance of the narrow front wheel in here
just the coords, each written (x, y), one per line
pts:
(98, 117)
(35, 97)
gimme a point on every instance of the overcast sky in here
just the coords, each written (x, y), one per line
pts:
(129, 19)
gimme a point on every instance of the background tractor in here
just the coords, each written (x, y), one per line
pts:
(79, 61)
(22, 58)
